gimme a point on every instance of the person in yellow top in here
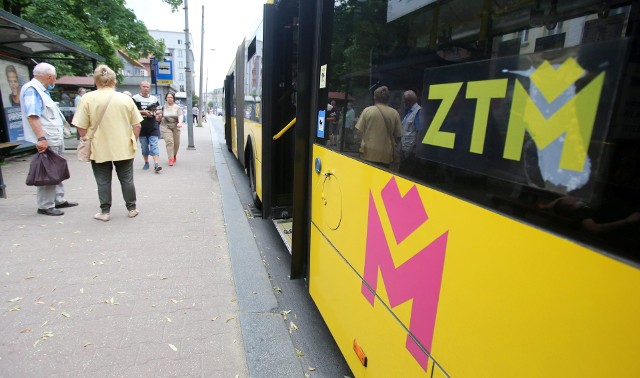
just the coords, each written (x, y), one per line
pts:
(114, 141)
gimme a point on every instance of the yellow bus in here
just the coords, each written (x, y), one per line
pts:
(495, 232)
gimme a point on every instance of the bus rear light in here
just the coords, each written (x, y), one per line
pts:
(360, 353)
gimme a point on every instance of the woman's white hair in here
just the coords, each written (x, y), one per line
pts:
(44, 69)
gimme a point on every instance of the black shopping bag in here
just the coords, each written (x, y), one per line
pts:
(47, 168)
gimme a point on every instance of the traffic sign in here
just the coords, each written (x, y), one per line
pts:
(164, 72)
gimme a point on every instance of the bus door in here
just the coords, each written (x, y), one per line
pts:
(279, 99)
(239, 105)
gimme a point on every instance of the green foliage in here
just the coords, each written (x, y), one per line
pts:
(102, 27)
(174, 4)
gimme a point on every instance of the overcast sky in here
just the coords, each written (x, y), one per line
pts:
(226, 23)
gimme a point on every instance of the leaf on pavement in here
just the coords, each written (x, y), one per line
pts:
(87, 344)
(65, 314)
(168, 319)
(15, 308)
(292, 327)
(15, 299)
(299, 353)
(173, 347)
(285, 313)
(26, 330)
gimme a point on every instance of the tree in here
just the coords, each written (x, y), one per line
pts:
(99, 26)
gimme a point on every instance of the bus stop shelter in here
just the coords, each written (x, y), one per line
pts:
(22, 46)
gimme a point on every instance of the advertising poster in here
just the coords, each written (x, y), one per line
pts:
(12, 77)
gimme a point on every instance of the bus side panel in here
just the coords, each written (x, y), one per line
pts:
(464, 282)
(335, 289)
(234, 137)
(253, 140)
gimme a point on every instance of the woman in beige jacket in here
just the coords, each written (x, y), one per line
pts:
(172, 118)
(113, 138)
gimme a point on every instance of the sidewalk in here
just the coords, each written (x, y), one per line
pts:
(148, 296)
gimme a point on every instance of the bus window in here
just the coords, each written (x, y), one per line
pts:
(524, 108)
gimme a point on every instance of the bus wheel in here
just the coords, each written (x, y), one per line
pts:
(252, 183)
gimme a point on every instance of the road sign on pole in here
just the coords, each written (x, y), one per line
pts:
(164, 72)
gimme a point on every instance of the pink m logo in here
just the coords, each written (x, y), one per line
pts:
(419, 278)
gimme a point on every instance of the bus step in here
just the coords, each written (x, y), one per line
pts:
(284, 227)
(252, 212)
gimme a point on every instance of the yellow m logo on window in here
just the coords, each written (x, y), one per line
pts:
(575, 119)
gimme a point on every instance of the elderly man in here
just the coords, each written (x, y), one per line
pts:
(412, 130)
(42, 123)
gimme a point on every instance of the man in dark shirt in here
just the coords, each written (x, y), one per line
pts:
(149, 132)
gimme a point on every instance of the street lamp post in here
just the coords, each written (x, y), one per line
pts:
(187, 72)
(201, 63)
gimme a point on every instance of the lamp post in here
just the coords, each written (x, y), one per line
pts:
(201, 63)
(187, 74)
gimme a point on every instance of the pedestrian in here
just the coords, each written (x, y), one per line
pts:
(81, 92)
(149, 130)
(411, 131)
(114, 139)
(379, 129)
(172, 118)
(42, 123)
(195, 112)
(349, 123)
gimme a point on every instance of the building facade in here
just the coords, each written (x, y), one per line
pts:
(135, 71)
(179, 56)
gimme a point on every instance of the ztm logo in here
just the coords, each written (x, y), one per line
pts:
(419, 278)
(552, 108)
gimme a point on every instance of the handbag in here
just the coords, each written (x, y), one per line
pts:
(84, 144)
(47, 168)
